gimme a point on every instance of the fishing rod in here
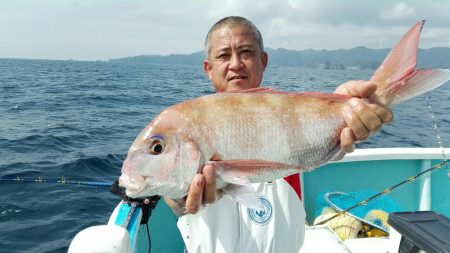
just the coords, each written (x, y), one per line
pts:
(146, 205)
(411, 179)
(58, 180)
(386, 191)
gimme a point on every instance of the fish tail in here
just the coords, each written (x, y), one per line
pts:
(398, 80)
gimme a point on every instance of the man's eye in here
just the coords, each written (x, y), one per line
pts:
(223, 56)
(247, 52)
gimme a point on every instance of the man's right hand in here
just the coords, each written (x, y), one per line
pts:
(202, 191)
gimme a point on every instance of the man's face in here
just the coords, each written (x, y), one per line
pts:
(235, 60)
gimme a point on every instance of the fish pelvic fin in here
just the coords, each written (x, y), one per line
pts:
(398, 80)
(245, 195)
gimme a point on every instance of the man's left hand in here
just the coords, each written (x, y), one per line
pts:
(362, 115)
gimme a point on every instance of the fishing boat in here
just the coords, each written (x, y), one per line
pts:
(378, 169)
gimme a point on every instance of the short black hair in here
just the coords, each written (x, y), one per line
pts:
(233, 20)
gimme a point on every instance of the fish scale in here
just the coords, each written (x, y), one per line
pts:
(260, 134)
(277, 134)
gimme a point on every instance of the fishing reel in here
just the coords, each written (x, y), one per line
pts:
(146, 204)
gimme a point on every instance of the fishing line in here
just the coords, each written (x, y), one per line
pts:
(56, 180)
(149, 239)
(443, 207)
(386, 191)
(146, 205)
(436, 132)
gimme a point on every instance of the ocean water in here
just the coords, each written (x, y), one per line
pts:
(78, 119)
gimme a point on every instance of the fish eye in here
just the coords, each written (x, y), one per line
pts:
(156, 146)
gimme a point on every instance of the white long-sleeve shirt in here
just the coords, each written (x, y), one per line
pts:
(227, 226)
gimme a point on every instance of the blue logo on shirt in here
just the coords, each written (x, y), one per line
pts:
(261, 217)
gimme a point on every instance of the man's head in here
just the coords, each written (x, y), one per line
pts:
(235, 55)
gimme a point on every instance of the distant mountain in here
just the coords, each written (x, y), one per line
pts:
(186, 59)
(355, 58)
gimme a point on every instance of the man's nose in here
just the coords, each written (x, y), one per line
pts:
(235, 61)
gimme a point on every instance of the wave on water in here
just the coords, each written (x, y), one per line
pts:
(92, 168)
(39, 143)
(77, 120)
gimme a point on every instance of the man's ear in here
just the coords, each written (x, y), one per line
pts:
(264, 59)
(207, 68)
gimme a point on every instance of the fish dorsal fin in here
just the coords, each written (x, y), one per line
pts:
(260, 90)
(318, 95)
(402, 59)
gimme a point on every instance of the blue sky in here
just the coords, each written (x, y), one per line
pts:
(105, 29)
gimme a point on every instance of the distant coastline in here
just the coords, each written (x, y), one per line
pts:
(356, 58)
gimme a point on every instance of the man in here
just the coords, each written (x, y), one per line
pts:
(236, 61)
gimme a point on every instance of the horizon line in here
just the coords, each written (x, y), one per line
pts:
(200, 51)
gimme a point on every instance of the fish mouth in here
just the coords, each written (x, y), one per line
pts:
(133, 184)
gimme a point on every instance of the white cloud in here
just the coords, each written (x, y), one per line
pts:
(400, 11)
(103, 29)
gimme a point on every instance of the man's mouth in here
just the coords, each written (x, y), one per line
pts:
(236, 77)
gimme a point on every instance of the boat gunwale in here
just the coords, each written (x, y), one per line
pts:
(372, 154)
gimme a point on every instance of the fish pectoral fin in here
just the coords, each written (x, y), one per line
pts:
(248, 168)
(238, 173)
(245, 195)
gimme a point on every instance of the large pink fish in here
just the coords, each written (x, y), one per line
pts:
(261, 134)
